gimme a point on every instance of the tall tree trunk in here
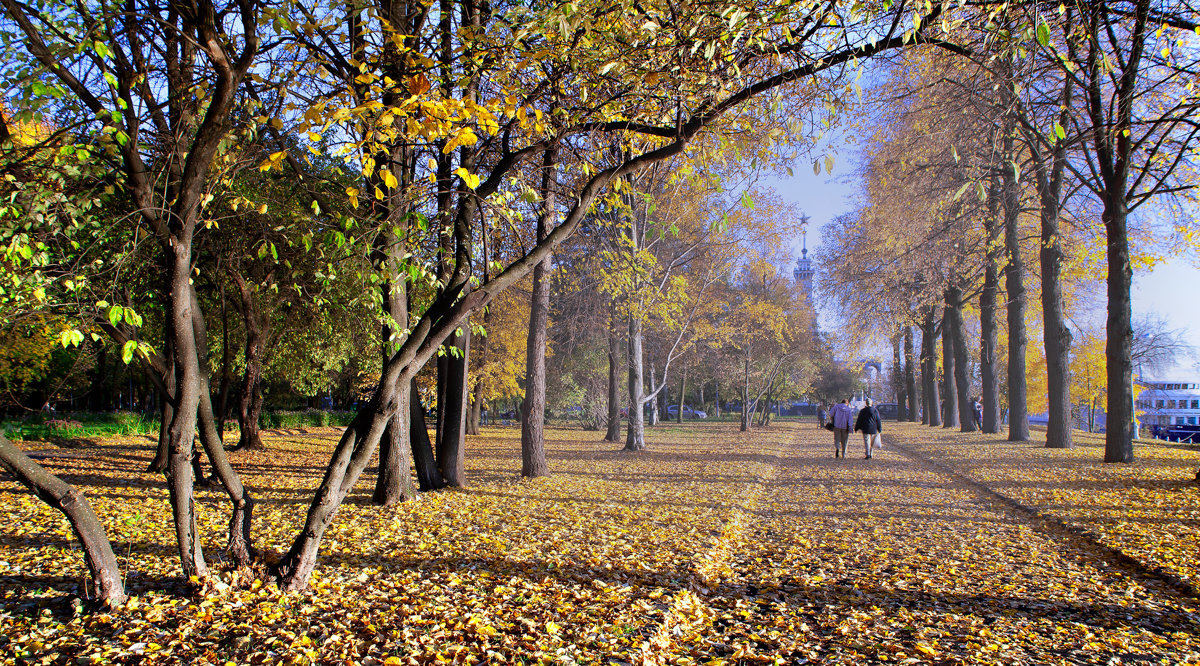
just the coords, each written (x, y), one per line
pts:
(1055, 334)
(989, 325)
(451, 448)
(1119, 428)
(635, 438)
(97, 550)
(898, 381)
(221, 409)
(613, 433)
(962, 380)
(949, 377)
(1014, 284)
(932, 412)
(910, 374)
(533, 446)
(428, 476)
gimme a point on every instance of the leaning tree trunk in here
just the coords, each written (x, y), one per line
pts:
(654, 411)
(180, 482)
(613, 433)
(910, 374)
(393, 483)
(635, 438)
(97, 550)
(962, 380)
(166, 411)
(682, 391)
(949, 377)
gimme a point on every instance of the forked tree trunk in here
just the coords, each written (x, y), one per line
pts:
(533, 423)
(613, 433)
(97, 550)
(962, 380)
(910, 374)
(394, 483)
(949, 378)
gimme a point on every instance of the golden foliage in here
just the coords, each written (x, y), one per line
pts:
(719, 548)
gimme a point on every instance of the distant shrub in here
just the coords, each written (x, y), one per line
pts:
(305, 418)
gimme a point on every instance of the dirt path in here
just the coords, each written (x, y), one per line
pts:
(898, 558)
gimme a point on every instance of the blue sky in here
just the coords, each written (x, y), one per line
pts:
(1168, 291)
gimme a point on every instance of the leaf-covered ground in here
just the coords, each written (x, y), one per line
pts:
(712, 547)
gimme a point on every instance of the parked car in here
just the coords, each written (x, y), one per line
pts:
(688, 412)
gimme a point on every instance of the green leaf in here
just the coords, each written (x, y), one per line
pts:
(1059, 131)
(127, 351)
(114, 314)
(1043, 33)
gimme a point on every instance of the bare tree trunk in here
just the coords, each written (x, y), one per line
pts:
(613, 434)
(97, 550)
(635, 439)
(533, 446)
(394, 483)
(910, 374)
(950, 390)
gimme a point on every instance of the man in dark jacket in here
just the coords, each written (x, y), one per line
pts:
(870, 425)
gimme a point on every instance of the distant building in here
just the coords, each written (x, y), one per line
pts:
(1168, 404)
(803, 273)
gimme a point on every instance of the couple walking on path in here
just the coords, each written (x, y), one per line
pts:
(868, 422)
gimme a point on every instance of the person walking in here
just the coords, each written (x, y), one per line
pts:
(978, 409)
(869, 423)
(843, 420)
(822, 415)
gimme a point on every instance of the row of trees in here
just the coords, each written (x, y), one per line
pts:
(992, 159)
(407, 164)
